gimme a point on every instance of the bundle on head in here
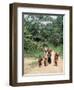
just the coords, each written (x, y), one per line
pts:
(49, 51)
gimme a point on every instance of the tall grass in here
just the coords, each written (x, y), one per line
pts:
(39, 53)
(35, 53)
(58, 49)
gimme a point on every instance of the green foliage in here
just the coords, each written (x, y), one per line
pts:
(41, 31)
(58, 49)
(33, 64)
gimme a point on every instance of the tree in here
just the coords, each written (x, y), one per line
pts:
(41, 30)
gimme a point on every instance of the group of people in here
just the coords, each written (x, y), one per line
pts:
(46, 59)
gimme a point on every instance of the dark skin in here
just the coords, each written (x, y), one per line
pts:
(45, 60)
(49, 56)
(56, 59)
(40, 62)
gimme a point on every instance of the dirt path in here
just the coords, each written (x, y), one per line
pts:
(31, 67)
(48, 69)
